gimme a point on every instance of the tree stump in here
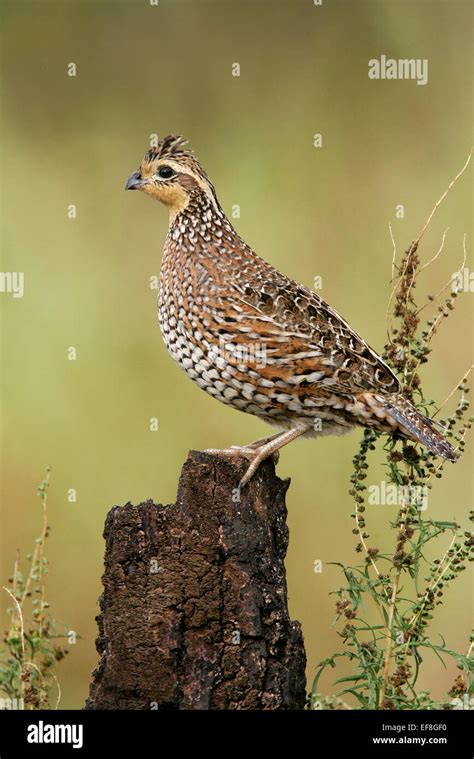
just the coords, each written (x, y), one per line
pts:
(194, 610)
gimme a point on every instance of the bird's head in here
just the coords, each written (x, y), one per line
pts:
(169, 172)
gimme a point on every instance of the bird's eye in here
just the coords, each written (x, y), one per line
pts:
(165, 172)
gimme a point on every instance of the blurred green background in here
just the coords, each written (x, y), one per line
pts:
(145, 69)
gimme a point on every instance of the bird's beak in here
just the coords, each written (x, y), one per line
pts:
(135, 181)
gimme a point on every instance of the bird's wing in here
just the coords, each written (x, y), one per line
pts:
(306, 341)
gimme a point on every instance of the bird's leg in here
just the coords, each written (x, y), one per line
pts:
(241, 450)
(233, 452)
(260, 442)
(260, 450)
(271, 447)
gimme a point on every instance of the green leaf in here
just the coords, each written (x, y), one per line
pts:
(353, 678)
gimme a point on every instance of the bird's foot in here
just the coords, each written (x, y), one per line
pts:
(261, 449)
(255, 453)
(233, 452)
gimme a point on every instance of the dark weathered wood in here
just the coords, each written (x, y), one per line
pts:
(194, 611)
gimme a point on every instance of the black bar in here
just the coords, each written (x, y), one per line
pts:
(418, 733)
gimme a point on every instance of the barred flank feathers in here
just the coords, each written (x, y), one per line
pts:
(419, 427)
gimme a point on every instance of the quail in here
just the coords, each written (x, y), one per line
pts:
(254, 338)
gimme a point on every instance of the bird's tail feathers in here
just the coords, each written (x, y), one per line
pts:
(419, 427)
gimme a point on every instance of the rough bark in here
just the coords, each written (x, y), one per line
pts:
(194, 610)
